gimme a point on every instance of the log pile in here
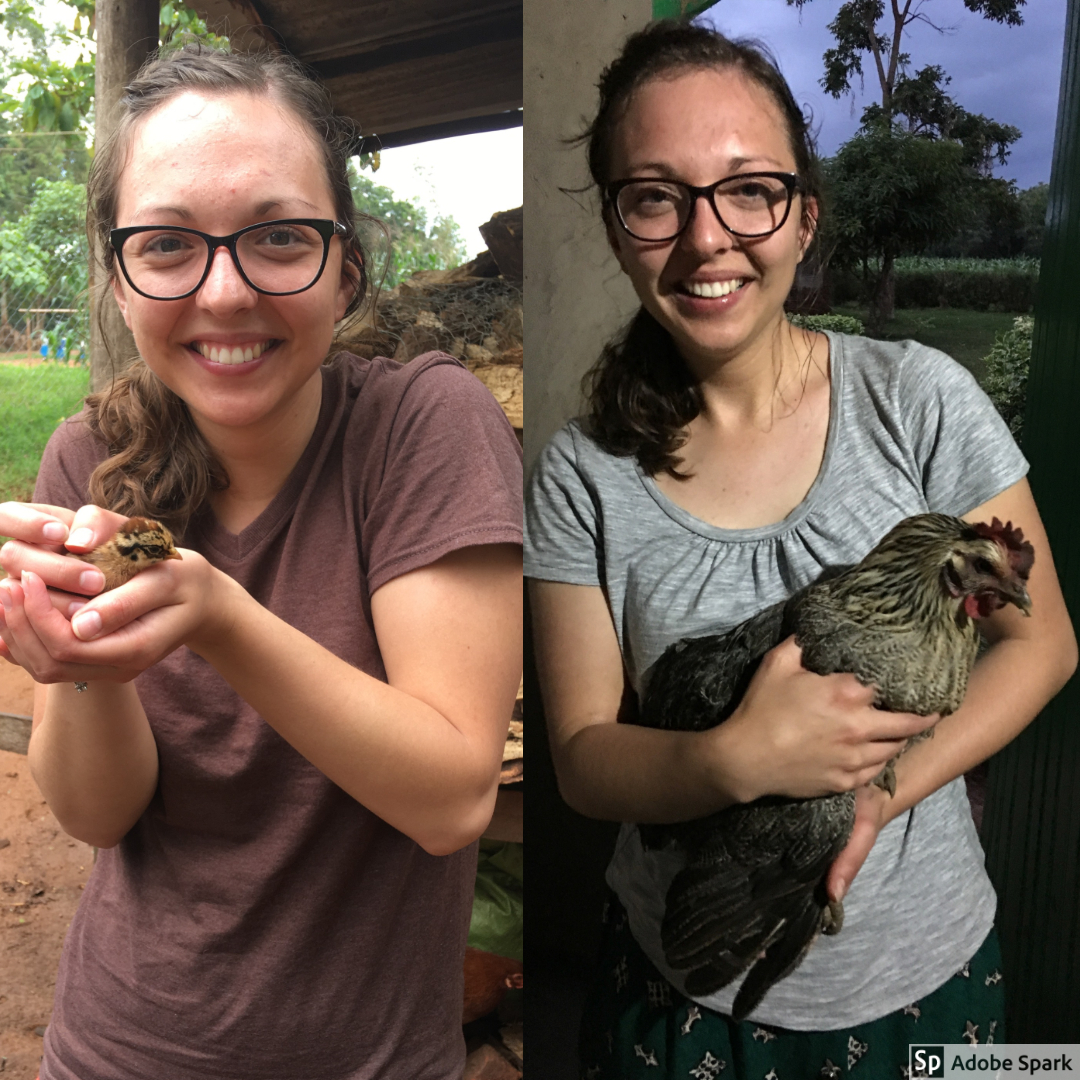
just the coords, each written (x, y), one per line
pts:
(472, 312)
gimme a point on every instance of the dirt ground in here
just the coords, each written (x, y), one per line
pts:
(42, 871)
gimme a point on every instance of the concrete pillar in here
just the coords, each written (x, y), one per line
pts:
(126, 32)
(576, 296)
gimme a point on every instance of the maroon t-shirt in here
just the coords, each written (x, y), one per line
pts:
(257, 923)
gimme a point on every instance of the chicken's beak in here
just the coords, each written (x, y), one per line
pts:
(174, 554)
(1018, 595)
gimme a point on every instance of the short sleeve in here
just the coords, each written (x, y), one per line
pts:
(71, 455)
(964, 449)
(563, 528)
(451, 477)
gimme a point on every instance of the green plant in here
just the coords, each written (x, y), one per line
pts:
(838, 324)
(1007, 366)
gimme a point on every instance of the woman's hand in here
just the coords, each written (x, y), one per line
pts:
(53, 631)
(802, 735)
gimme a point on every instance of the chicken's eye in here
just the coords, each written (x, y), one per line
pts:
(982, 566)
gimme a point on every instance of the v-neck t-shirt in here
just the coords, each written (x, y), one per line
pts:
(910, 431)
(257, 922)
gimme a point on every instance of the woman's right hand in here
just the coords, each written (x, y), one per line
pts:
(803, 735)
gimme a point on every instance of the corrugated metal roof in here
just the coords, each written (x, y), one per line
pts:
(404, 70)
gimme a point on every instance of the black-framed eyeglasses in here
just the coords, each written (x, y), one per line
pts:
(750, 205)
(278, 258)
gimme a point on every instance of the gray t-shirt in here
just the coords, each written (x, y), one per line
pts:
(909, 431)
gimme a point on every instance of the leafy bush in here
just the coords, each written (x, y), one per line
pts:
(1007, 366)
(975, 284)
(838, 324)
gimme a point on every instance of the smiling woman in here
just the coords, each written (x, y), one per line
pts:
(287, 740)
(725, 461)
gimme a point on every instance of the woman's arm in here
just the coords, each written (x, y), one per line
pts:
(794, 733)
(1029, 661)
(423, 752)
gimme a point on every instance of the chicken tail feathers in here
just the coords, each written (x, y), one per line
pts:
(780, 959)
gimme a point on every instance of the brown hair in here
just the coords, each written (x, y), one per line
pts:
(640, 395)
(159, 465)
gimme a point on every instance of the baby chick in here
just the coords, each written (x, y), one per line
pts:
(136, 545)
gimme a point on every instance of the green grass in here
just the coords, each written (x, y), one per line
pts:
(33, 400)
(967, 336)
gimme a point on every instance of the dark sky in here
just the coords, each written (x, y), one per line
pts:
(1010, 74)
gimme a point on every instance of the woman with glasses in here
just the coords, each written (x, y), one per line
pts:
(726, 459)
(285, 742)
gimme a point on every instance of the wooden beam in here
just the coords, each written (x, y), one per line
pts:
(127, 32)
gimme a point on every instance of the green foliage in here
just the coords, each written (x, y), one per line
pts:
(180, 25)
(413, 246)
(1007, 366)
(59, 97)
(838, 324)
(44, 262)
(974, 284)
(891, 192)
(1034, 202)
(33, 400)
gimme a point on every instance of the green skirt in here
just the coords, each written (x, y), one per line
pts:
(637, 1026)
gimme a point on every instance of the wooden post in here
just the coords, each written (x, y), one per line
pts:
(1032, 825)
(127, 32)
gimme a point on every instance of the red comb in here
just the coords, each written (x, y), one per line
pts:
(1021, 553)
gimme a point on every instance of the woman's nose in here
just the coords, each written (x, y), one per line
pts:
(224, 289)
(704, 232)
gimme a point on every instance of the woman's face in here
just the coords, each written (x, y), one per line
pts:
(217, 164)
(700, 127)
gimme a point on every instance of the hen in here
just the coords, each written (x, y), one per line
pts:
(752, 894)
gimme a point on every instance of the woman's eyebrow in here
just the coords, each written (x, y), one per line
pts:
(266, 207)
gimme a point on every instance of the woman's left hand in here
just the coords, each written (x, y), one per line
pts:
(871, 816)
(117, 634)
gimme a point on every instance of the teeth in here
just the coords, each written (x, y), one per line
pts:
(712, 289)
(236, 355)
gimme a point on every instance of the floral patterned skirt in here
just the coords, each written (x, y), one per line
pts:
(637, 1026)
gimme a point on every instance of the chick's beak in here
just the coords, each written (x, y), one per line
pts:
(174, 554)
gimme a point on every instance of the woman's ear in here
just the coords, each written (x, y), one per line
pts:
(121, 300)
(808, 225)
(613, 238)
(352, 277)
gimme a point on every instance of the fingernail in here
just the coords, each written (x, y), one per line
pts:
(54, 530)
(81, 538)
(841, 892)
(86, 625)
(91, 581)
(75, 605)
(5, 599)
(26, 578)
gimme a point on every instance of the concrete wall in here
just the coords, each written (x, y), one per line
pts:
(575, 295)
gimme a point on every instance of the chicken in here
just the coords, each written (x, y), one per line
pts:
(752, 894)
(138, 544)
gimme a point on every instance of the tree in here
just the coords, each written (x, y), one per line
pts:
(857, 32)
(412, 245)
(913, 126)
(890, 193)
